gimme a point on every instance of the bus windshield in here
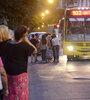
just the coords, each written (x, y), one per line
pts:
(77, 28)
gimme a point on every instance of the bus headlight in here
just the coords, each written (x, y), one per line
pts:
(70, 48)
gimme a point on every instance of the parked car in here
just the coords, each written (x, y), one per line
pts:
(39, 33)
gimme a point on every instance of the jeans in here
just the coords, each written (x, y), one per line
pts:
(56, 52)
(43, 55)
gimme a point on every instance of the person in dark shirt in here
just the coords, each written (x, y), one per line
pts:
(14, 55)
(34, 42)
(36, 37)
(38, 47)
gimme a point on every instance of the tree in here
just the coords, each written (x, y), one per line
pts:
(27, 12)
(17, 11)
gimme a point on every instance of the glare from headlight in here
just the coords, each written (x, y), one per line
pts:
(70, 48)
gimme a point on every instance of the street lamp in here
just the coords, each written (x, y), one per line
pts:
(44, 19)
(43, 14)
(50, 1)
(38, 28)
(47, 11)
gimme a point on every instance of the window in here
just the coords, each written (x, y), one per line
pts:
(77, 29)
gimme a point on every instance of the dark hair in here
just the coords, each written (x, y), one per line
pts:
(44, 41)
(36, 34)
(32, 35)
(19, 32)
(45, 35)
(53, 35)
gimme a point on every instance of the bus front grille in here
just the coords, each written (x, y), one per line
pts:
(81, 44)
(77, 44)
(82, 51)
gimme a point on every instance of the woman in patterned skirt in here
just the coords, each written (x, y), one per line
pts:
(15, 58)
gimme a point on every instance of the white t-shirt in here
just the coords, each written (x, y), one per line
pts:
(55, 41)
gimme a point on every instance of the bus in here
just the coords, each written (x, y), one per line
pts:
(76, 40)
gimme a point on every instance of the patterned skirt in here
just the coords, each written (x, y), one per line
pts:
(18, 87)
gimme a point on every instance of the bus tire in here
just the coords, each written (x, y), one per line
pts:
(70, 58)
(76, 58)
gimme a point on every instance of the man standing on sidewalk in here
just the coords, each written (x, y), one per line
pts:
(55, 44)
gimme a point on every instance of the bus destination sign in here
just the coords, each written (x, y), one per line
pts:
(80, 12)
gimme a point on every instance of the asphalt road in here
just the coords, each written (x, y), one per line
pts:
(62, 81)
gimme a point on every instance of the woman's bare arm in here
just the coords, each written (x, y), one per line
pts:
(26, 40)
(4, 81)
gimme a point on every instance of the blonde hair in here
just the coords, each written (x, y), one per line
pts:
(4, 33)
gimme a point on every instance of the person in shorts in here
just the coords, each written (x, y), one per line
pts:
(34, 42)
(36, 37)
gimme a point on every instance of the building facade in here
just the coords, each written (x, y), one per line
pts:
(73, 3)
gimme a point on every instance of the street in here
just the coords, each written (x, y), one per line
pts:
(62, 81)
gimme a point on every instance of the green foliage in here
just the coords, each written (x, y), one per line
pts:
(17, 11)
(28, 12)
(34, 22)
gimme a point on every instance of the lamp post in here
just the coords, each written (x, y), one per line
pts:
(38, 28)
(46, 11)
(43, 14)
(50, 1)
(44, 19)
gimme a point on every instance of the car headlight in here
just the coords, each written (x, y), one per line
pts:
(70, 48)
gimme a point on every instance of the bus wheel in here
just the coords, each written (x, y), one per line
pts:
(76, 58)
(70, 58)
